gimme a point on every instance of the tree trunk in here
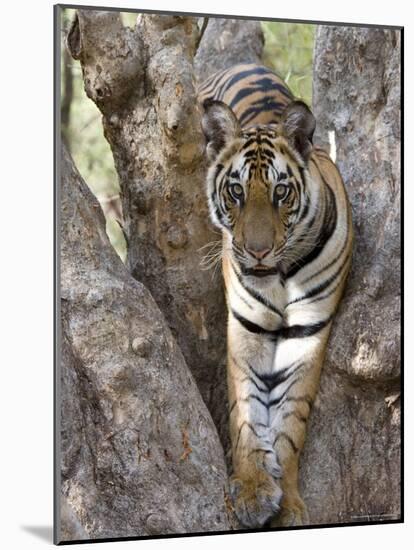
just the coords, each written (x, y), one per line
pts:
(67, 96)
(140, 454)
(351, 466)
(227, 42)
(142, 80)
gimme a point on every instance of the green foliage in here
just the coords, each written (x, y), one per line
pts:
(89, 148)
(129, 19)
(87, 144)
(289, 51)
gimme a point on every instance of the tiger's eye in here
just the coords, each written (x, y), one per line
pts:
(236, 190)
(281, 191)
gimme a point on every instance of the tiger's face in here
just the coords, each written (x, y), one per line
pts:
(257, 187)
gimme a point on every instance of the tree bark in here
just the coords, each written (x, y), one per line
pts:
(351, 466)
(153, 127)
(227, 42)
(67, 95)
(140, 454)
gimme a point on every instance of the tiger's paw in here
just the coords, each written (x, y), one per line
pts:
(293, 512)
(256, 497)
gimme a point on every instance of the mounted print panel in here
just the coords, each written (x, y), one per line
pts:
(228, 274)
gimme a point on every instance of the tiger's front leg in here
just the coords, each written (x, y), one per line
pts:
(297, 366)
(255, 484)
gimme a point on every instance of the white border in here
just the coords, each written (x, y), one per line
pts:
(26, 271)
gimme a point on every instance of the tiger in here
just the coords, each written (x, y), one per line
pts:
(287, 237)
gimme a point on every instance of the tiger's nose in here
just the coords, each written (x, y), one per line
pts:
(258, 254)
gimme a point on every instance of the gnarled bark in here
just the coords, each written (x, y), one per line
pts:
(153, 127)
(140, 454)
(227, 42)
(351, 466)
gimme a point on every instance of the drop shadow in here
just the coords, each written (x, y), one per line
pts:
(43, 532)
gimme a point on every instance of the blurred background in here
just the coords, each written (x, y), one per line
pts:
(288, 49)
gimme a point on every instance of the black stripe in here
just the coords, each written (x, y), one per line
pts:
(332, 262)
(267, 101)
(259, 399)
(235, 363)
(268, 84)
(306, 196)
(250, 426)
(322, 286)
(294, 331)
(217, 209)
(212, 82)
(249, 154)
(256, 295)
(243, 93)
(219, 82)
(300, 190)
(217, 170)
(237, 77)
(333, 289)
(265, 141)
(298, 416)
(249, 142)
(305, 208)
(309, 226)
(237, 247)
(271, 380)
(302, 175)
(251, 327)
(253, 371)
(252, 396)
(302, 331)
(288, 438)
(267, 106)
(219, 215)
(278, 400)
(328, 228)
(219, 183)
(249, 379)
(242, 299)
(267, 153)
(215, 198)
(254, 88)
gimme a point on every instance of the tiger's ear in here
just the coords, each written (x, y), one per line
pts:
(298, 125)
(220, 126)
